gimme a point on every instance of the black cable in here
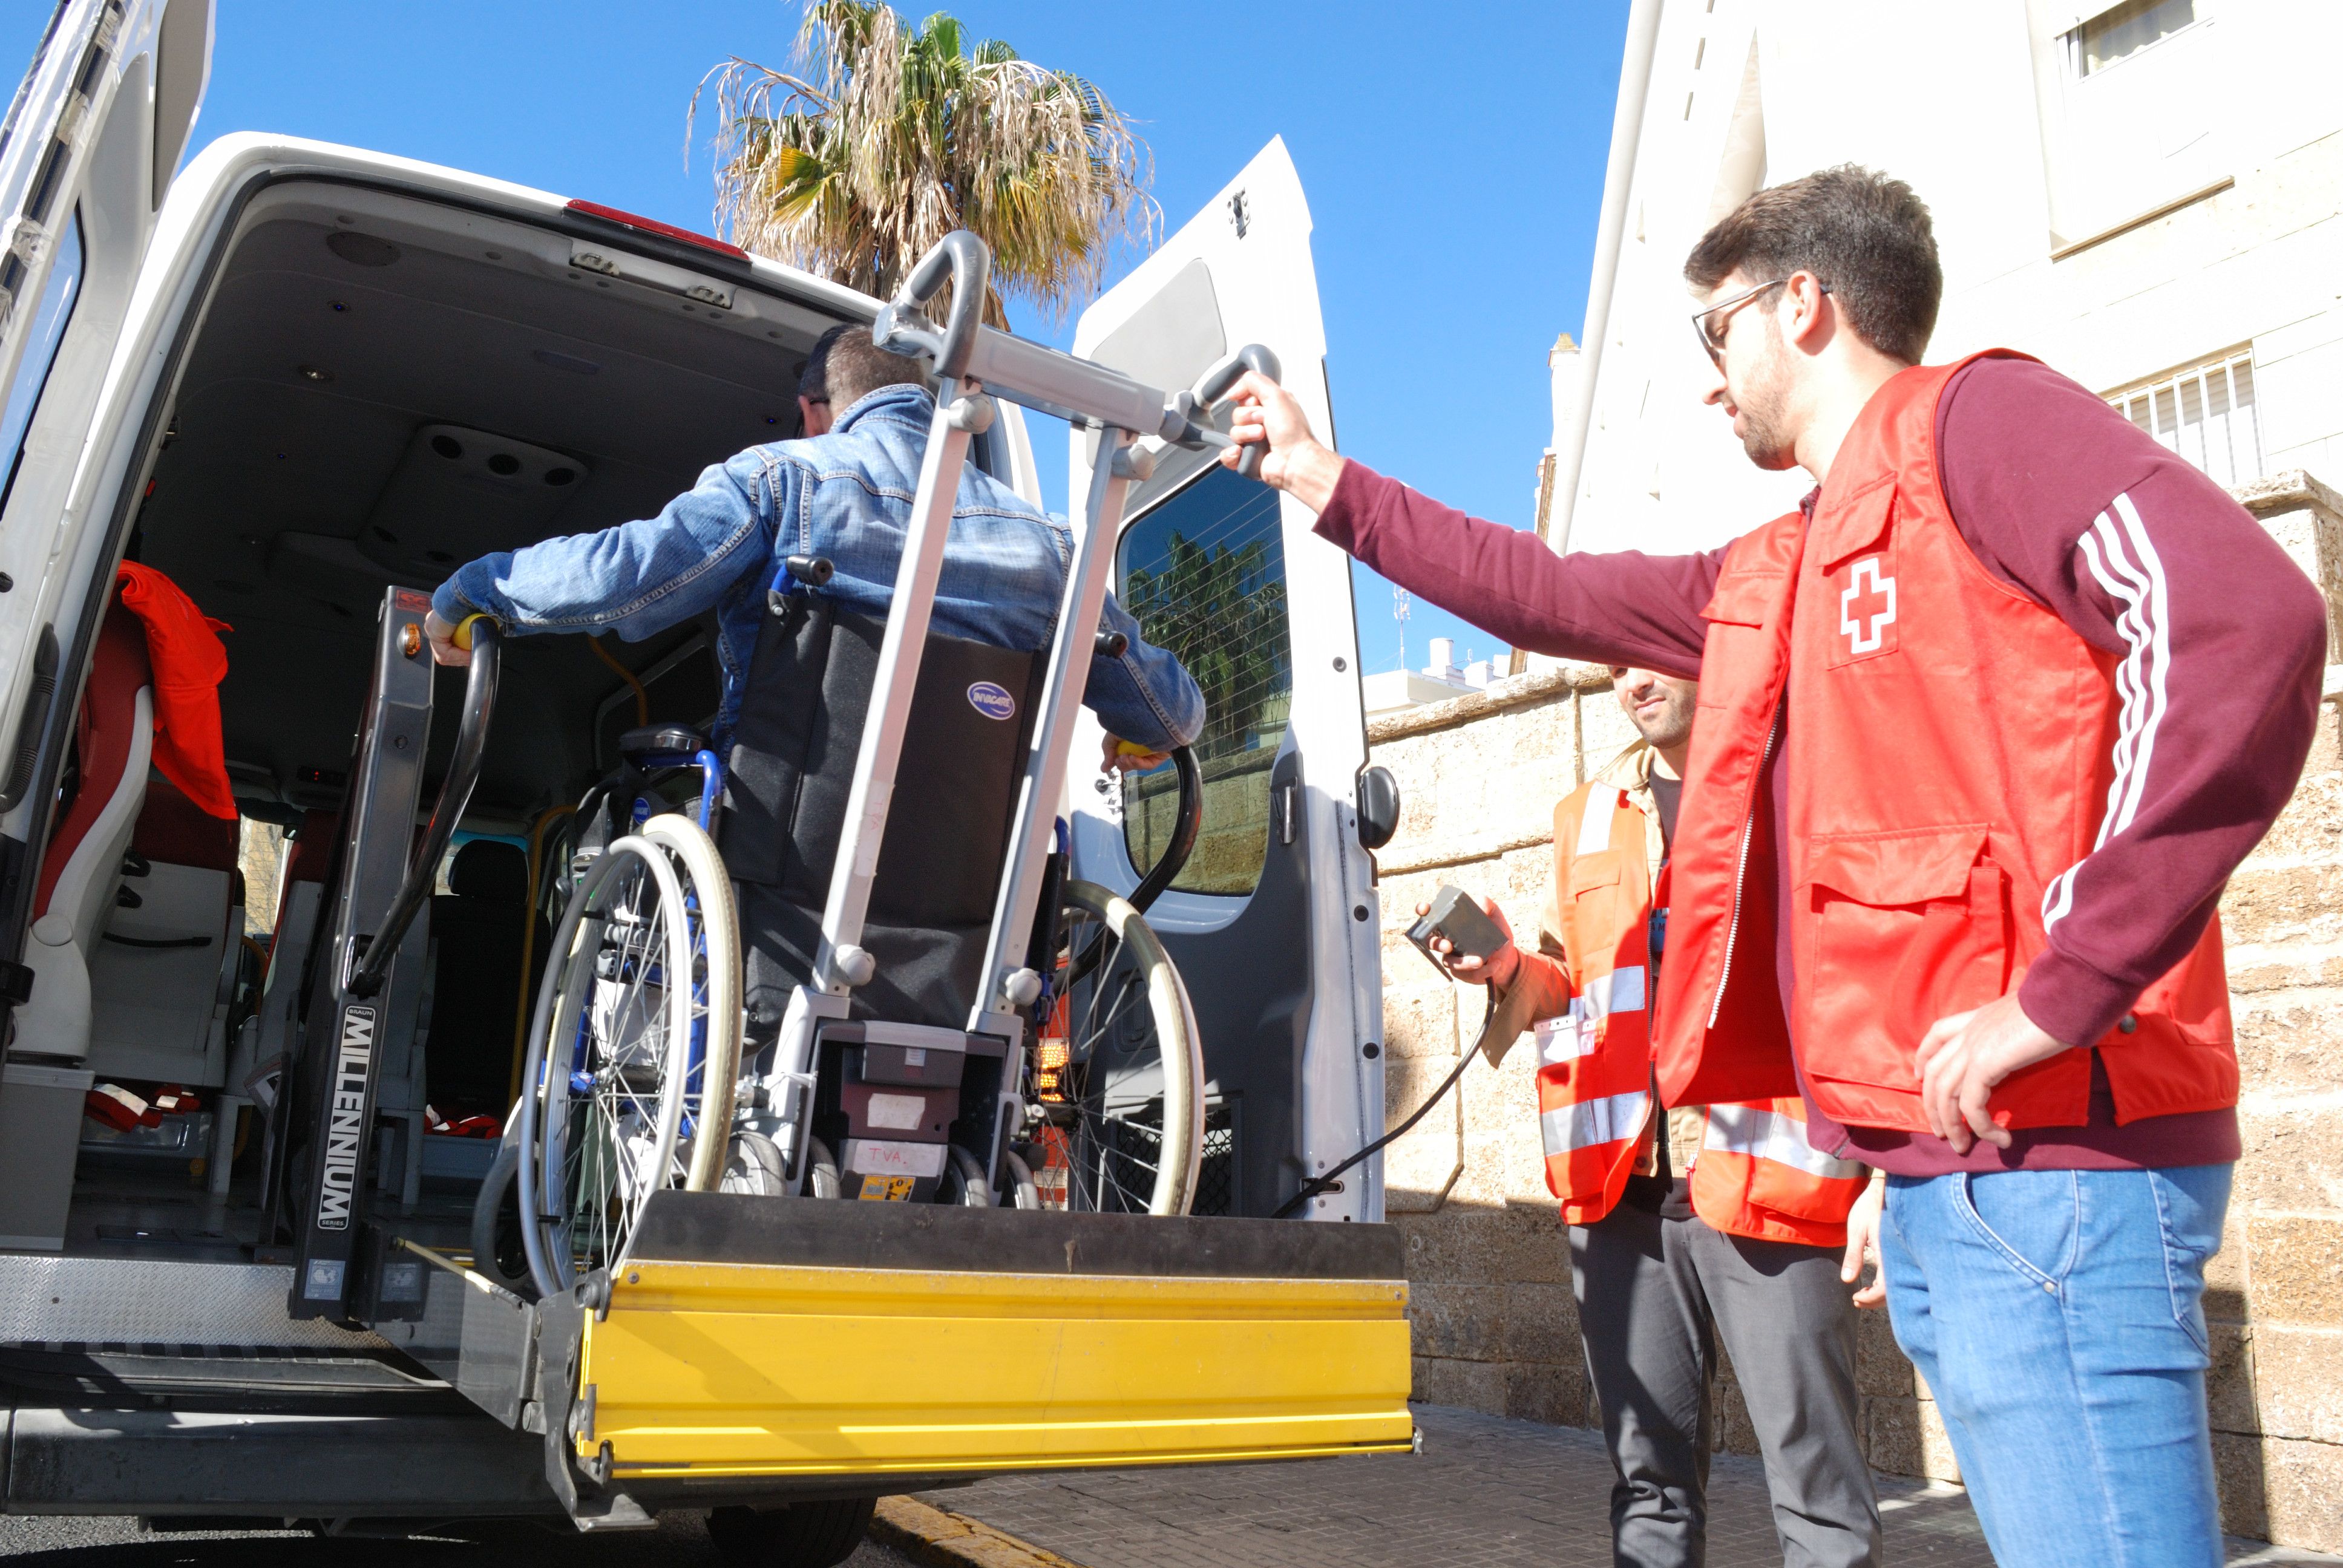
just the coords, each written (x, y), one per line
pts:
(1315, 1185)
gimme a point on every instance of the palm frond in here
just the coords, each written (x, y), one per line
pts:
(884, 138)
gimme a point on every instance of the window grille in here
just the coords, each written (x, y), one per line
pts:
(2205, 412)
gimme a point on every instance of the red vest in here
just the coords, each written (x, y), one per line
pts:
(1755, 1174)
(1951, 747)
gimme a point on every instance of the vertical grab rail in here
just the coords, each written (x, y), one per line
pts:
(485, 640)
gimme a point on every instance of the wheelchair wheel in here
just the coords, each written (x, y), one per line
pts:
(1115, 1080)
(629, 1055)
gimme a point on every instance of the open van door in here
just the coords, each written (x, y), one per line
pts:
(1271, 922)
(86, 154)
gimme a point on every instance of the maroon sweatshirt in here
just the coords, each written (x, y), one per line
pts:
(2222, 643)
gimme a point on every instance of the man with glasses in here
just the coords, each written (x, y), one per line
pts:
(1986, 725)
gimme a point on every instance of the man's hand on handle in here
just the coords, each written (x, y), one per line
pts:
(1497, 970)
(443, 641)
(1963, 1057)
(1298, 462)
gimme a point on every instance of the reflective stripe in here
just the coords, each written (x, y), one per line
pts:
(1593, 1122)
(1560, 1039)
(1766, 1134)
(1620, 990)
(1594, 827)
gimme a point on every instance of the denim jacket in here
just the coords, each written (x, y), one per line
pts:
(845, 496)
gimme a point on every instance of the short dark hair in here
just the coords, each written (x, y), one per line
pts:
(1867, 237)
(846, 367)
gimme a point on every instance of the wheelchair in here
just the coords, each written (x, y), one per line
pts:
(847, 962)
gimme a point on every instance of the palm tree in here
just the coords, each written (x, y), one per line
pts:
(885, 139)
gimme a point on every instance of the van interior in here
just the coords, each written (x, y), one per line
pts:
(371, 390)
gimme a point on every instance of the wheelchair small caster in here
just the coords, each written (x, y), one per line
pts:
(801, 1536)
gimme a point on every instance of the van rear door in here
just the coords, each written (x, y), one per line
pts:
(1271, 922)
(86, 154)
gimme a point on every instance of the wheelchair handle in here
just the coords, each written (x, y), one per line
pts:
(1185, 829)
(905, 327)
(487, 640)
(1215, 385)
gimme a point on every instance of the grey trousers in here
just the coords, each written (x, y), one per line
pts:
(1653, 1294)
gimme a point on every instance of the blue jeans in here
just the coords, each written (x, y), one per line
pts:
(2058, 1318)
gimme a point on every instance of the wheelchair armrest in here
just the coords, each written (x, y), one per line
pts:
(638, 746)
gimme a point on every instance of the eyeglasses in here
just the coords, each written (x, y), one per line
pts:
(1712, 324)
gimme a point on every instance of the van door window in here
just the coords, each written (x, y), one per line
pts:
(1204, 575)
(40, 353)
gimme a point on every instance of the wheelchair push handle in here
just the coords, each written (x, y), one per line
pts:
(485, 640)
(905, 327)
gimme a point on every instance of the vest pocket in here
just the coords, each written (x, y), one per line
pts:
(1902, 930)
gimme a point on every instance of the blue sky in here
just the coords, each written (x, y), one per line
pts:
(1453, 156)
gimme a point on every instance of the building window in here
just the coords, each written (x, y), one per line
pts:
(2123, 31)
(2205, 412)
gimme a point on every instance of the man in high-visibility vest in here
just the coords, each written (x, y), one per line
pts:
(1686, 1227)
(1986, 722)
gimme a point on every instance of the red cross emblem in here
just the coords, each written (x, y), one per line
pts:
(1866, 613)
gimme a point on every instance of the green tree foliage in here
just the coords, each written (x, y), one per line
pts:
(885, 138)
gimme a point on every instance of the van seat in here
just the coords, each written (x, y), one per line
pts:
(477, 930)
(162, 974)
(81, 869)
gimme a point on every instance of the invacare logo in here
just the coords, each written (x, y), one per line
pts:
(991, 700)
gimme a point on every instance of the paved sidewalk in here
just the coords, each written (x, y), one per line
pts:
(1485, 1493)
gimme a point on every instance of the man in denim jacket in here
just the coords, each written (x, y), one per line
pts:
(843, 491)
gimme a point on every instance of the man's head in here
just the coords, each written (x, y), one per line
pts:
(845, 367)
(1659, 706)
(1810, 289)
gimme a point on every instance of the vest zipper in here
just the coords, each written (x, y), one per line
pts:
(1741, 869)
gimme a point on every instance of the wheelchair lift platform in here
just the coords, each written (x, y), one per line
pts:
(752, 1347)
(751, 1341)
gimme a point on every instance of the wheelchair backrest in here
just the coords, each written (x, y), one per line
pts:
(941, 858)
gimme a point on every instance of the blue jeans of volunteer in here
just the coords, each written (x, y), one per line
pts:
(2058, 1318)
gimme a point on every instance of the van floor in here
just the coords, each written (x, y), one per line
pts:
(151, 1207)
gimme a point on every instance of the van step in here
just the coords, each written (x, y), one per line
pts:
(165, 1307)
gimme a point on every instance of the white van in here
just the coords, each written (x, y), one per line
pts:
(296, 378)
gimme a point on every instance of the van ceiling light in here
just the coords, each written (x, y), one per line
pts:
(642, 224)
(361, 250)
(314, 372)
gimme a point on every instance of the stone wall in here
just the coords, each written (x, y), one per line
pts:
(1495, 1329)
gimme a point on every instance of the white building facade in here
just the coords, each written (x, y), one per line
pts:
(2143, 194)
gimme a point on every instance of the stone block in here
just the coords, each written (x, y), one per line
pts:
(2281, 1490)
(1467, 1385)
(2258, 967)
(1531, 1244)
(1457, 1323)
(2288, 1042)
(2303, 1492)
(2230, 1380)
(2293, 1151)
(2238, 1474)
(2277, 899)
(1552, 1393)
(1541, 1323)
(1419, 1020)
(1907, 1437)
(2226, 1273)
(1729, 1410)
(2296, 1384)
(1881, 1368)
(2295, 1264)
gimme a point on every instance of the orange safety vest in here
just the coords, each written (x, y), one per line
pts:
(1952, 745)
(1755, 1174)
